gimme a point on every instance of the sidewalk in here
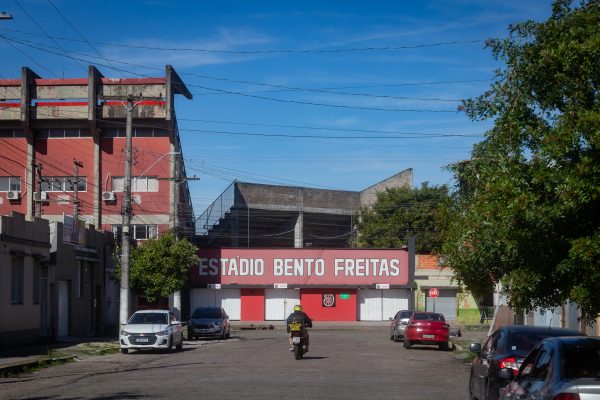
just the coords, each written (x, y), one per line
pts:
(28, 357)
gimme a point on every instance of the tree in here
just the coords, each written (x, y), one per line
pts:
(400, 212)
(160, 267)
(527, 209)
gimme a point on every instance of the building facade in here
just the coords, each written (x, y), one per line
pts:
(330, 284)
(63, 149)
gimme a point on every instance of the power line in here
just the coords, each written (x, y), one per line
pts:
(270, 51)
(249, 95)
(77, 31)
(46, 33)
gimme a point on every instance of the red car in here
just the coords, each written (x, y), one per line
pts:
(427, 328)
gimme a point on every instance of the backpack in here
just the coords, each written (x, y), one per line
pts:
(295, 322)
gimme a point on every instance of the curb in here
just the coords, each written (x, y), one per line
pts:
(23, 366)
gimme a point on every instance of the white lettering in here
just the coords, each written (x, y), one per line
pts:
(260, 267)
(277, 267)
(384, 270)
(320, 267)
(395, 266)
(360, 266)
(202, 267)
(338, 266)
(224, 262)
(213, 264)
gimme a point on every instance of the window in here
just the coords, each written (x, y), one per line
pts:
(138, 184)
(542, 364)
(36, 282)
(63, 183)
(16, 280)
(10, 183)
(138, 232)
(79, 280)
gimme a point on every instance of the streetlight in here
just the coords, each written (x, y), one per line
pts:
(4, 15)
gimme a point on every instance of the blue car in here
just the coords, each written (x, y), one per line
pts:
(209, 322)
(566, 368)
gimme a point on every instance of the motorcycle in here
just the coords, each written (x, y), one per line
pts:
(298, 342)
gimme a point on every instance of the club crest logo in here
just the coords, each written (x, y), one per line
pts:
(328, 300)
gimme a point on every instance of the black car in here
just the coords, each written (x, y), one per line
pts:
(209, 322)
(398, 324)
(505, 348)
(558, 368)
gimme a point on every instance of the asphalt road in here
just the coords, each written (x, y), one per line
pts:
(351, 364)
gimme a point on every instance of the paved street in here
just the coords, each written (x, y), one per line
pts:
(341, 364)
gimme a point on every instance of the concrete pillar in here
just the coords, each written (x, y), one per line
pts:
(234, 223)
(299, 231)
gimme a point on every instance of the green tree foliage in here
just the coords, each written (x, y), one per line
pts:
(159, 267)
(400, 212)
(527, 208)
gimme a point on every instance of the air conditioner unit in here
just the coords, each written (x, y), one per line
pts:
(13, 195)
(40, 196)
(108, 196)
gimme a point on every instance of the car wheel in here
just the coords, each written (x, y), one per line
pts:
(228, 334)
(124, 351)
(444, 346)
(407, 344)
(180, 345)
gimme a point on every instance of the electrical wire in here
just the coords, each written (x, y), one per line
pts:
(269, 51)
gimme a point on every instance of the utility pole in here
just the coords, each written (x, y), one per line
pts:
(37, 203)
(76, 166)
(126, 235)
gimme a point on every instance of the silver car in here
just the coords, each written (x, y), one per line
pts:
(566, 368)
(152, 329)
(398, 325)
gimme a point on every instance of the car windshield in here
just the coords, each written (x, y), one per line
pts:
(149, 318)
(429, 317)
(525, 341)
(405, 314)
(207, 313)
(582, 361)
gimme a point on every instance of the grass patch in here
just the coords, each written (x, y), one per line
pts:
(28, 368)
(93, 349)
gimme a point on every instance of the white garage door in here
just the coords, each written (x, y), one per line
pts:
(229, 299)
(279, 303)
(444, 304)
(381, 304)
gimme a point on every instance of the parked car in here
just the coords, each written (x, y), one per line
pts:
(209, 322)
(505, 348)
(398, 324)
(427, 328)
(566, 368)
(152, 329)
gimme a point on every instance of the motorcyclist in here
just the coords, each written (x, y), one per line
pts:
(299, 316)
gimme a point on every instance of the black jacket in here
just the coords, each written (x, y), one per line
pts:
(300, 316)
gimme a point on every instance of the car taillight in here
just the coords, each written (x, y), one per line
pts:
(567, 396)
(510, 362)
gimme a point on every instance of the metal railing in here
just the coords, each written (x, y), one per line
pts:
(217, 210)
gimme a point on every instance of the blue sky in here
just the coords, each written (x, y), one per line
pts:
(388, 72)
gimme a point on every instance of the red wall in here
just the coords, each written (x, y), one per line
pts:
(13, 162)
(344, 310)
(56, 156)
(253, 304)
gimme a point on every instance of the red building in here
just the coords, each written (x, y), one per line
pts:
(62, 150)
(330, 284)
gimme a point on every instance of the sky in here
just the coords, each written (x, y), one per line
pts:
(323, 94)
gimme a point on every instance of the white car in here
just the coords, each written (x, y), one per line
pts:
(152, 329)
